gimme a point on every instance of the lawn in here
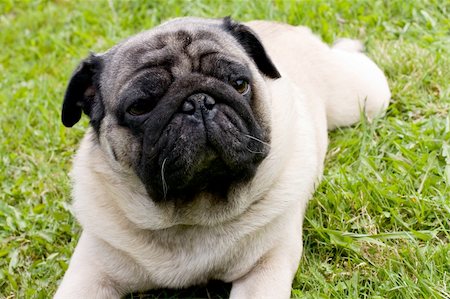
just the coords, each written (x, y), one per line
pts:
(378, 225)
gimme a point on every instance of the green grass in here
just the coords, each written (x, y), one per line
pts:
(377, 227)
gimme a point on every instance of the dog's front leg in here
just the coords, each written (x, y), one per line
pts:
(272, 276)
(85, 278)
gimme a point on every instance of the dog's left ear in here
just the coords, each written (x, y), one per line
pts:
(253, 46)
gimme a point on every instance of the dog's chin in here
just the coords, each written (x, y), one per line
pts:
(182, 183)
(193, 157)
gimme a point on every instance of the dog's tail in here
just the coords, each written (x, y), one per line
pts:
(361, 86)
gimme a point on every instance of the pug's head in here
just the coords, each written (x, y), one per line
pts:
(182, 106)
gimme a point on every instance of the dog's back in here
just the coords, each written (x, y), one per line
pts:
(344, 79)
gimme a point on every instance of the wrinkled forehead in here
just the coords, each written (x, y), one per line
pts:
(177, 46)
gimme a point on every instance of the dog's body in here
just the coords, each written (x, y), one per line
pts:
(252, 236)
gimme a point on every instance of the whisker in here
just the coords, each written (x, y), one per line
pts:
(257, 139)
(164, 183)
(254, 152)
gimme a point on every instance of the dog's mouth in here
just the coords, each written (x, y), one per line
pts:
(208, 143)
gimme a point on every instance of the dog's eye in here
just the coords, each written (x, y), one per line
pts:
(241, 86)
(141, 107)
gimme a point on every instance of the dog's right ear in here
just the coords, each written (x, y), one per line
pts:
(82, 91)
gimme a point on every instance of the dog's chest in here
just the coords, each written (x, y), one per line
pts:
(183, 257)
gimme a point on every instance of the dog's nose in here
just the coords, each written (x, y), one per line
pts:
(198, 102)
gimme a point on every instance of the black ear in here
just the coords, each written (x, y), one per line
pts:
(252, 45)
(82, 91)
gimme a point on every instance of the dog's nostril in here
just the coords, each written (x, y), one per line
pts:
(199, 101)
(209, 102)
(188, 107)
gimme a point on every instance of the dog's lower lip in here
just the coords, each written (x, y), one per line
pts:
(210, 156)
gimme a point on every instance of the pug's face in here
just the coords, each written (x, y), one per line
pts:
(181, 105)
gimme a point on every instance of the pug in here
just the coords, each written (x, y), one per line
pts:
(207, 138)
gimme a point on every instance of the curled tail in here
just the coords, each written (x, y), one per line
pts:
(360, 86)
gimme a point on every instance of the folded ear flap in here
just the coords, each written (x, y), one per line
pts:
(253, 46)
(81, 91)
